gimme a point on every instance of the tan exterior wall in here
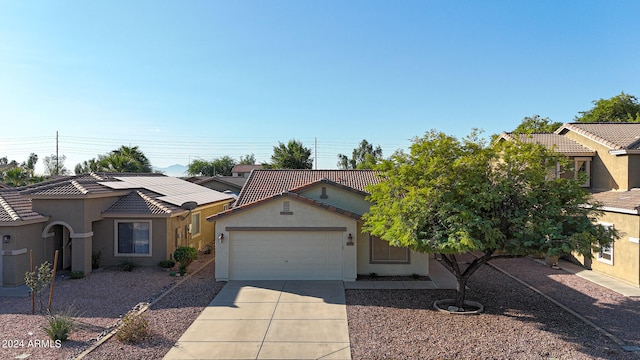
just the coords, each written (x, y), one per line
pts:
(626, 253)
(634, 171)
(104, 239)
(339, 198)
(268, 215)
(607, 171)
(15, 254)
(419, 262)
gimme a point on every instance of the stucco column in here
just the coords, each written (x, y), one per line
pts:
(81, 248)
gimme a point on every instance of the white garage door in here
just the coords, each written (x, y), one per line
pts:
(286, 255)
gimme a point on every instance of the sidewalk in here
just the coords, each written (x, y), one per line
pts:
(440, 278)
(600, 279)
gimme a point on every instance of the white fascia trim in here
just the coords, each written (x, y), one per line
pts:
(14, 252)
(624, 152)
(619, 210)
(634, 240)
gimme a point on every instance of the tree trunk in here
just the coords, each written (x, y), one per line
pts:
(461, 289)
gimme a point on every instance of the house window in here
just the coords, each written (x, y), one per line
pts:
(605, 254)
(133, 238)
(195, 224)
(383, 253)
(583, 166)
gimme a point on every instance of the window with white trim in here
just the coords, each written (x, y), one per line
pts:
(195, 224)
(132, 238)
(605, 254)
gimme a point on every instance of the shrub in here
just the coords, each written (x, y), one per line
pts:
(127, 265)
(135, 328)
(167, 264)
(77, 274)
(60, 325)
(95, 259)
(185, 255)
(38, 280)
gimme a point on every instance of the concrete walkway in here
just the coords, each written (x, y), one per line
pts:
(270, 320)
(600, 279)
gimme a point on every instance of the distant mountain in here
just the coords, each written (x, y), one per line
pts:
(176, 170)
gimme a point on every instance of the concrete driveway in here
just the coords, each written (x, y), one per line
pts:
(270, 320)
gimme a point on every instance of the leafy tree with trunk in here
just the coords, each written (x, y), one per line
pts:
(620, 108)
(452, 196)
(54, 165)
(537, 124)
(126, 159)
(14, 174)
(221, 166)
(292, 155)
(362, 157)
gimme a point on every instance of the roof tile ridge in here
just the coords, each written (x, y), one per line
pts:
(593, 136)
(14, 215)
(155, 202)
(79, 186)
(96, 176)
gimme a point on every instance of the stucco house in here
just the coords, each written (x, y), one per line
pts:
(609, 153)
(305, 224)
(142, 217)
(229, 184)
(243, 170)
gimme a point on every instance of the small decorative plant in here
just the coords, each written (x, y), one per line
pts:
(95, 259)
(185, 255)
(167, 264)
(77, 274)
(135, 328)
(38, 280)
(60, 325)
(127, 265)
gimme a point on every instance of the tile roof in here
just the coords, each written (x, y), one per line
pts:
(622, 201)
(266, 183)
(560, 143)
(16, 208)
(141, 202)
(616, 136)
(244, 168)
(237, 181)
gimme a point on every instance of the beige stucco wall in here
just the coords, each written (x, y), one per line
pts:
(607, 171)
(419, 262)
(626, 254)
(15, 254)
(268, 215)
(340, 198)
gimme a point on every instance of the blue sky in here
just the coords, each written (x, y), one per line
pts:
(202, 79)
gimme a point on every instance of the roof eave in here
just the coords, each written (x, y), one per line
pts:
(624, 152)
(23, 222)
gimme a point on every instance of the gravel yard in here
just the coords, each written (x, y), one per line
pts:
(398, 324)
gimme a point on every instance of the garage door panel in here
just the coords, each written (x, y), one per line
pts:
(286, 255)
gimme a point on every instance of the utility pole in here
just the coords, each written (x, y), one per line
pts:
(57, 156)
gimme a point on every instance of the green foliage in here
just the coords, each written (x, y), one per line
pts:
(127, 159)
(14, 174)
(293, 155)
(537, 124)
(221, 166)
(38, 280)
(95, 259)
(135, 328)
(60, 325)
(620, 108)
(185, 255)
(362, 157)
(127, 264)
(77, 274)
(167, 264)
(249, 159)
(452, 196)
(54, 165)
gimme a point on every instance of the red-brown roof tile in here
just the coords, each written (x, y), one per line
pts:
(16, 208)
(616, 136)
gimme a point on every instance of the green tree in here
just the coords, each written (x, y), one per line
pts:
(249, 159)
(221, 166)
(452, 196)
(620, 108)
(126, 159)
(293, 155)
(15, 175)
(537, 124)
(362, 157)
(54, 165)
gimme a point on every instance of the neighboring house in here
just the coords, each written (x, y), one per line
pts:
(305, 224)
(141, 217)
(243, 170)
(609, 153)
(229, 184)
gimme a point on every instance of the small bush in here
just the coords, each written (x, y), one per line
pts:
(60, 325)
(77, 274)
(127, 265)
(373, 275)
(185, 255)
(167, 264)
(182, 269)
(135, 328)
(95, 259)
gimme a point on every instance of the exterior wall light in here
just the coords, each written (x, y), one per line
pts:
(350, 238)
(6, 239)
(221, 237)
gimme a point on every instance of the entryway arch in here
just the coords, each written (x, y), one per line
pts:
(57, 235)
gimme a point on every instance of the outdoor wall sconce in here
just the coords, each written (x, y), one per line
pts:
(221, 237)
(350, 238)
(6, 238)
